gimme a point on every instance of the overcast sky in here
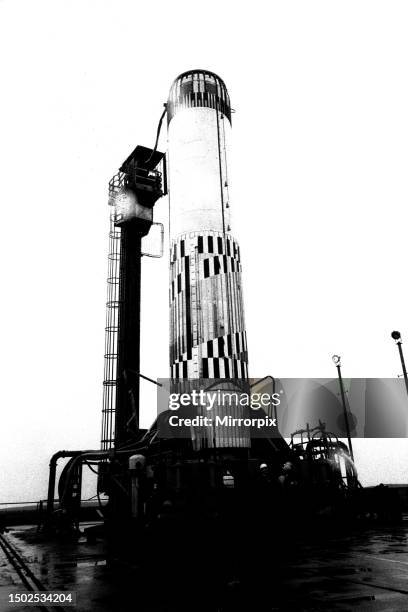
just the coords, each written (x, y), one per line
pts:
(318, 193)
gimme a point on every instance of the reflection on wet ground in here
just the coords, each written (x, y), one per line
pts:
(367, 570)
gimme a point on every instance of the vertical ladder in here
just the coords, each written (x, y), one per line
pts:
(112, 323)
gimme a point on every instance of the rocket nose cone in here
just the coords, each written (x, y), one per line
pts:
(198, 88)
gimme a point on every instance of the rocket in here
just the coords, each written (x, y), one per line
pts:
(207, 327)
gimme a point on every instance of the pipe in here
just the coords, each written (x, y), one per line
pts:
(53, 471)
(97, 455)
(136, 466)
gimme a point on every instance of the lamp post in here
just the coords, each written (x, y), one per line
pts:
(395, 335)
(337, 363)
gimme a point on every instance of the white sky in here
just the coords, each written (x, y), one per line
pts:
(319, 193)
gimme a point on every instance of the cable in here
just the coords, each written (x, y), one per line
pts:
(157, 134)
(90, 467)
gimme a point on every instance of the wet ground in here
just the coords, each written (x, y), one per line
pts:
(363, 570)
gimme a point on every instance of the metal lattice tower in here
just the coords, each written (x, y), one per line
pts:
(133, 192)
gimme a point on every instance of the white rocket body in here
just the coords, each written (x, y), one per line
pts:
(195, 171)
(207, 330)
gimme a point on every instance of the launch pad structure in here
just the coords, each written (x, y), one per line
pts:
(153, 479)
